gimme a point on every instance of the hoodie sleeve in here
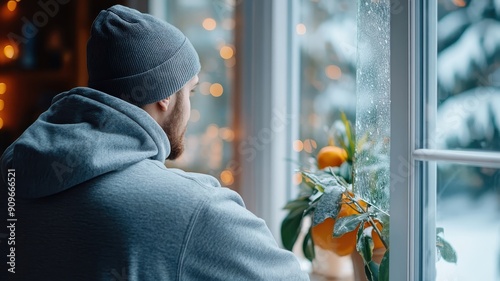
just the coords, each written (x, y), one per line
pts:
(228, 242)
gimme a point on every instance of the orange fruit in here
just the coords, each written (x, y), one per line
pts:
(322, 234)
(331, 156)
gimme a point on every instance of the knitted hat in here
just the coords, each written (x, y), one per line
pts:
(137, 57)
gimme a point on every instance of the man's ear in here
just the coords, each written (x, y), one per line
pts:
(164, 104)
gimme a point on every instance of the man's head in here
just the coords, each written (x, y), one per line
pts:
(172, 114)
(147, 62)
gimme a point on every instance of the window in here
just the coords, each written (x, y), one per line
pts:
(301, 63)
(461, 134)
(444, 165)
(210, 27)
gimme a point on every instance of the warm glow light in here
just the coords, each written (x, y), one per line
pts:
(3, 88)
(310, 145)
(8, 51)
(298, 145)
(226, 134)
(227, 177)
(230, 62)
(228, 24)
(301, 29)
(195, 116)
(460, 3)
(1, 123)
(333, 72)
(313, 119)
(1, 105)
(12, 5)
(297, 178)
(205, 88)
(212, 131)
(216, 90)
(209, 24)
(226, 52)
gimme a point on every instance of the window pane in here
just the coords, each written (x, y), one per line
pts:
(468, 209)
(468, 76)
(373, 103)
(327, 40)
(209, 25)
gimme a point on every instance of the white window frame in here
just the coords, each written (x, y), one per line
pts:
(413, 160)
(267, 103)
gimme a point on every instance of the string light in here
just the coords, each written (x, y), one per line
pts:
(226, 134)
(226, 52)
(333, 72)
(9, 51)
(209, 24)
(3, 88)
(216, 90)
(301, 29)
(310, 145)
(460, 3)
(1, 123)
(227, 177)
(12, 5)
(212, 131)
(1, 105)
(298, 145)
(297, 178)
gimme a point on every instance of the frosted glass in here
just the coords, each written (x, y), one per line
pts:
(373, 102)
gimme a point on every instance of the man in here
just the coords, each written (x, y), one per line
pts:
(93, 198)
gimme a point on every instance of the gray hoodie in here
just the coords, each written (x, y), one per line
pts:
(94, 201)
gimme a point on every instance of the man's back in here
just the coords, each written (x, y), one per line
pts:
(95, 202)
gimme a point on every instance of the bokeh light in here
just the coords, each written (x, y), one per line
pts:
(298, 145)
(216, 90)
(301, 29)
(310, 145)
(227, 177)
(333, 72)
(297, 178)
(209, 24)
(12, 5)
(226, 52)
(9, 51)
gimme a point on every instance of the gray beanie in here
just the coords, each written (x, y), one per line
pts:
(137, 57)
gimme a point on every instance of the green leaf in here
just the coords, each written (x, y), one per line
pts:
(384, 268)
(371, 271)
(328, 205)
(385, 220)
(439, 230)
(446, 250)
(302, 202)
(348, 224)
(350, 136)
(364, 244)
(345, 171)
(290, 227)
(322, 179)
(308, 246)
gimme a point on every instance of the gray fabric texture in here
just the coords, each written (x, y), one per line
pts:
(94, 201)
(137, 57)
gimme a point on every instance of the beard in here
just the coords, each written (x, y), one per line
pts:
(175, 132)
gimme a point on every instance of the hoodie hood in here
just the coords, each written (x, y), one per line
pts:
(84, 134)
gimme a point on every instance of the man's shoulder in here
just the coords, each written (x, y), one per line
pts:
(151, 178)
